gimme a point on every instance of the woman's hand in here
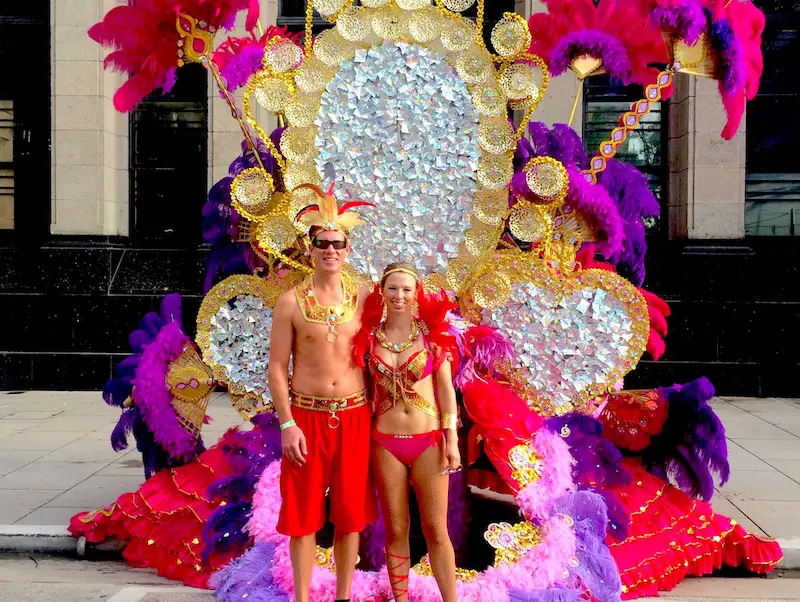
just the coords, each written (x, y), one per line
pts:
(452, 455)
(293, 445)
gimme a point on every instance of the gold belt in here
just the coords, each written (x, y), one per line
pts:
(329, 404)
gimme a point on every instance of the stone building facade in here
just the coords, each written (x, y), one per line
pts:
(100, 211)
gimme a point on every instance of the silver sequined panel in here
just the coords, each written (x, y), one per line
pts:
(240, 342)
(397, 127)
(565, 345)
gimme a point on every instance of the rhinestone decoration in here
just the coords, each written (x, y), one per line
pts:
(331, 48)
(518, 81)
(390, 22)
(302, 173)
(412, 4)
(276, 232)
(492, 290)
(328, 8)
(528, 223)
(239, 342)
(495, 171)
(302, 110)
(490, 206)
(374, 3)
(354, 24)
(527, 464)
(283, 55)
(547, 178)
(489, 100)
(511, 542)
(424, 24)
(567, 347)
(458, 6)
(397, 128)
(313, 75)
(297, 144)
(475, 65)
(510, 36)
(459, 34)
(273, 94)
(496, 135)
(251, 193)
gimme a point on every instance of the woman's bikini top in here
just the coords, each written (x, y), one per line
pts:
(395, 385)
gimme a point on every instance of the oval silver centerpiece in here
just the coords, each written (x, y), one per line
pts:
(397, 127)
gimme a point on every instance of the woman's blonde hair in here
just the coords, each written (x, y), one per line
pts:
(399, 266)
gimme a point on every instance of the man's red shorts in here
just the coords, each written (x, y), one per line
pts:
(338, 458)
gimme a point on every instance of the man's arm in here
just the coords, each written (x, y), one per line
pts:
(293, 443)
(280, 352)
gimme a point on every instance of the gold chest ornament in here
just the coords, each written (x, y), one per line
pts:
(332, 315)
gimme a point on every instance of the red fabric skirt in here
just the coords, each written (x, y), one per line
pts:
(163, 521)
(672, 535)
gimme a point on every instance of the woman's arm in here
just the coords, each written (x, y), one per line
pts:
(449, 410)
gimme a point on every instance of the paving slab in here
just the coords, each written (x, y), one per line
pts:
(17, 503)
(12, 460)
(96, 492)
(767, 449)
(50, 475)
(778, 519)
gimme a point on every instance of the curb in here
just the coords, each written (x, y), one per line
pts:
(55, 539)
(52, 539)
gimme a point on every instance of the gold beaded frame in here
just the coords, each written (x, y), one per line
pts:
(508, 269)
(497, 82)
(246, 403)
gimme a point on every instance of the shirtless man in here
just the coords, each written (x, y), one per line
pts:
(324, 415)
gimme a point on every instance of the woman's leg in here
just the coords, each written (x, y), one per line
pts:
(391, 479)
(431, 487)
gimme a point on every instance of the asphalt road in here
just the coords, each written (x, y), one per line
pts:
(48, 579)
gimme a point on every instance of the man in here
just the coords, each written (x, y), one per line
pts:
(324, 415)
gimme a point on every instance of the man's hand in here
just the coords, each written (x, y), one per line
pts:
(293, 445)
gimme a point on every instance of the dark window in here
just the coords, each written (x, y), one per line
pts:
(772, 191)
(25, 121)
(169, 162)
(646, 147)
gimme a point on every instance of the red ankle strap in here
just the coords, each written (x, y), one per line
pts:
(396, 579)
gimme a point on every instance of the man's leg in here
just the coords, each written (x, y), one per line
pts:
(345, 552)
(302, 550)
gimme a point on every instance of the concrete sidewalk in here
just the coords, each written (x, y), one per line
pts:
(56, 461)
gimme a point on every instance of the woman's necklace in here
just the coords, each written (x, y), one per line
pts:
(398, 347)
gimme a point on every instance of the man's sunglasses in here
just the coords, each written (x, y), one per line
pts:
(321, 243)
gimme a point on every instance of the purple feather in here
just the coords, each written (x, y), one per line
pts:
(566, 146)
(683, 18)
(692, 446)
(458, 510)
(242, 65)
(730, 65)
(373, 543)
(595, 43)
(598, 209)
(545, 595)
(124, 427)
(628, 189)
(596, 570)
(250, 577)
(249, 453)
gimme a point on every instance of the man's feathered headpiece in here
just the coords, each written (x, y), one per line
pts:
(327, 214)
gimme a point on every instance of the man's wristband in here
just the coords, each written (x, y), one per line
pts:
(288, 424)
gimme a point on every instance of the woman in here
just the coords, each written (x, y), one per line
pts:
(414, 433)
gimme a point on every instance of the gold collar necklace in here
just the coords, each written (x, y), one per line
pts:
(332, 315)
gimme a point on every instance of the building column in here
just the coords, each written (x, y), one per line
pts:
(89, 137)
(225, 136)
(562, 92)
(707, 173)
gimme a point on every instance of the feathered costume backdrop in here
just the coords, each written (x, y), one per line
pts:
(612, 501)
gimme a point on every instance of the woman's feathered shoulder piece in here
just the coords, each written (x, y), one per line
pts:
(433, 310)
(370, 320)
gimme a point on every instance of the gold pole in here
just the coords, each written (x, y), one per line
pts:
(575, 104)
